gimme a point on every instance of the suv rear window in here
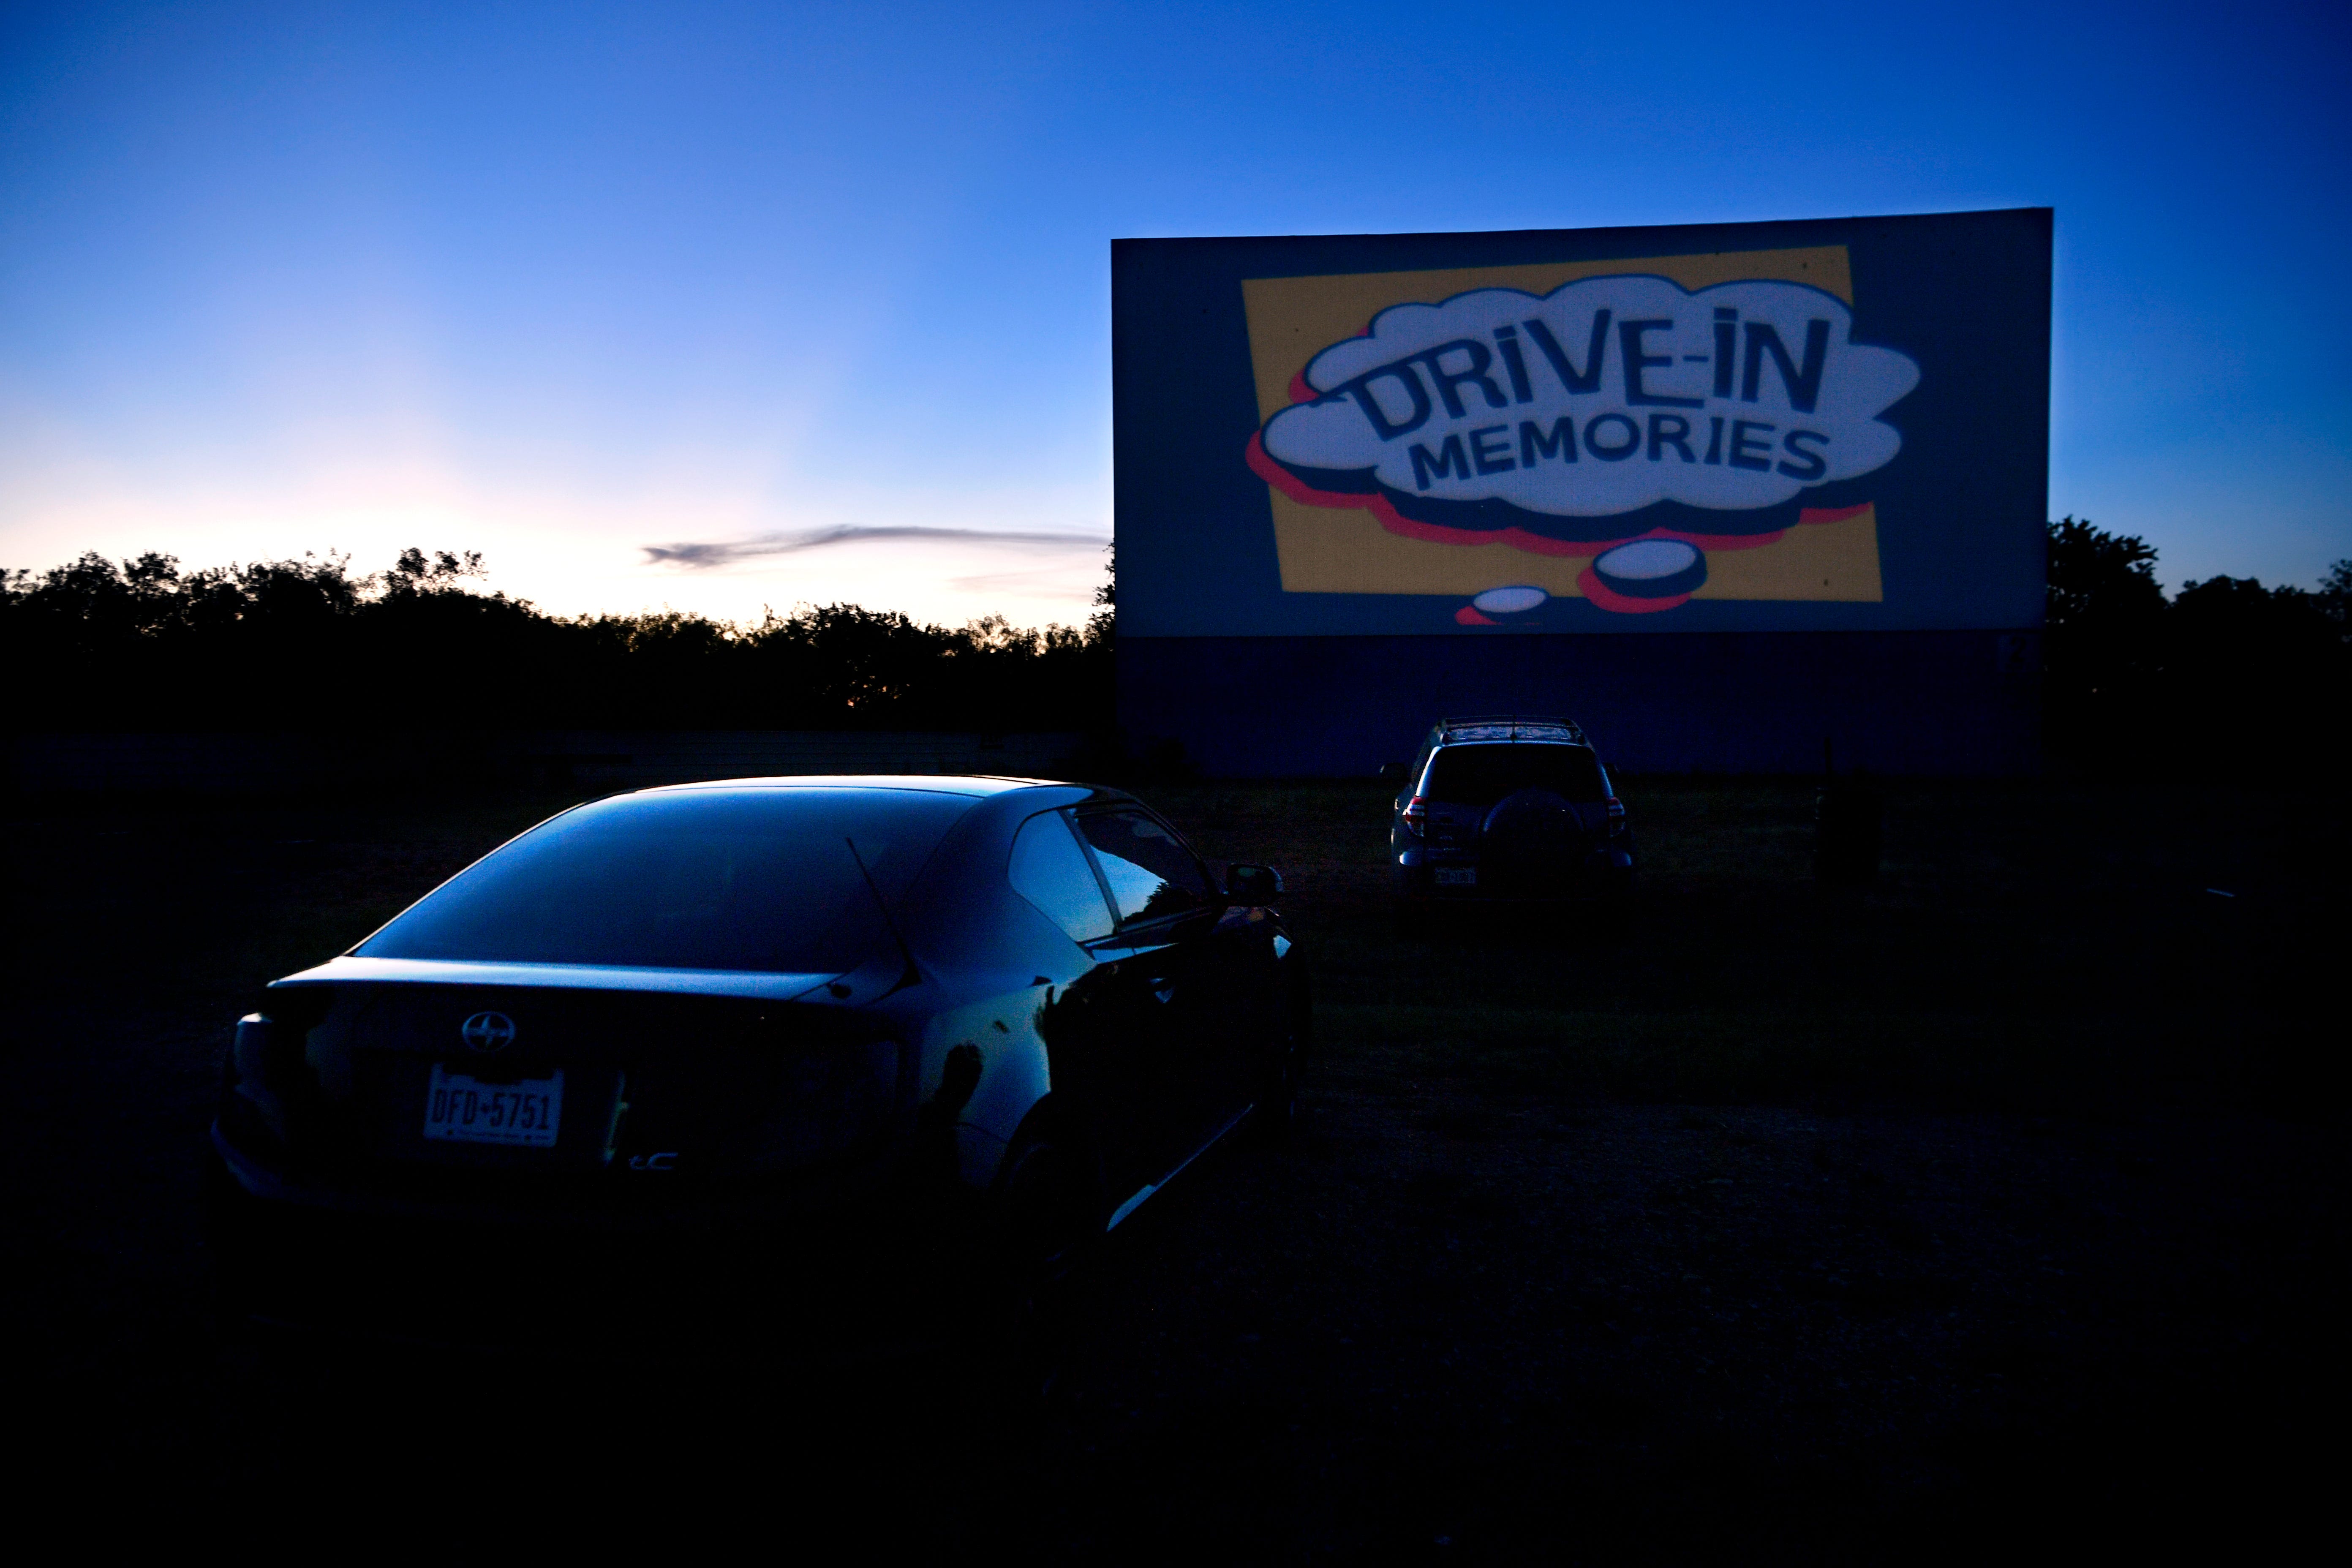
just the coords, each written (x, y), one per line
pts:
(1483, 774)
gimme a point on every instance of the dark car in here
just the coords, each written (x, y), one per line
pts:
(1507, 807)
(733, 1052)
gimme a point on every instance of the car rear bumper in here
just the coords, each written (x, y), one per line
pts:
(827, 1278)
(614, 1202)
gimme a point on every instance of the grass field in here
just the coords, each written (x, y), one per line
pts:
(2005, 1196)
(2026, 948)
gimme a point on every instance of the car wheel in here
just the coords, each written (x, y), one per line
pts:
(1043, 1225)
(1275, 1113)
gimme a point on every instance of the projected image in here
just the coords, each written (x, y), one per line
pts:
(1634, 433)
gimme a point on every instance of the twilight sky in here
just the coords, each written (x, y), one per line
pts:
(720, 306)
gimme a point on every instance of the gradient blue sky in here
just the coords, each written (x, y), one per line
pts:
(560, 282)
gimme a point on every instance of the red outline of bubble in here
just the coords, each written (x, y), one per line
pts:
(1589, 582)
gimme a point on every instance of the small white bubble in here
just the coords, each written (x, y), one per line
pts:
(1646, 560)
(1508, 601)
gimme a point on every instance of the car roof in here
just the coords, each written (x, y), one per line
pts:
(979, 786)
(1506, 727)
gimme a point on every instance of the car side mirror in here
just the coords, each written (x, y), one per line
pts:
(1392, 773)
(1252, 885)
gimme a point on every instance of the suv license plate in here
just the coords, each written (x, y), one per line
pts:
(1457, 876)
(524, 1114)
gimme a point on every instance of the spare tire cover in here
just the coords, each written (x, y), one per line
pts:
(1532, 834)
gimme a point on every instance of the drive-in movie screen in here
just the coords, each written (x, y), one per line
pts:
(1829, 425)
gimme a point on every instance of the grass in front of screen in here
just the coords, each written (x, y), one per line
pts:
(2029, 945)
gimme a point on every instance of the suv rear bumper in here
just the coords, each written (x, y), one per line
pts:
(1604, 874)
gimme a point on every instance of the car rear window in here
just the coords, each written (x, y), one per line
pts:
(1050, 870)
(739, 879)
(1483, 774)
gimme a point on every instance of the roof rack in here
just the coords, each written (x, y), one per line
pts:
(1512, 723)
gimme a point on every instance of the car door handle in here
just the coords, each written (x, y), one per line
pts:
(1165, 991)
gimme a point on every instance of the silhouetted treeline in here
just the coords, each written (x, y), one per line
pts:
(144, 645)
(2225, 671)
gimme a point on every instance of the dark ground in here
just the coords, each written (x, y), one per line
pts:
(1994, 1208)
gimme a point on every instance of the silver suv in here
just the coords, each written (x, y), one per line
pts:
(1509, 806)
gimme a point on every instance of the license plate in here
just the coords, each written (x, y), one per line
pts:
(523, 1115)
(1457, 876)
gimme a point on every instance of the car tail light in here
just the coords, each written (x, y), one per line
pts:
(251, 1057)
(1616, 813)
(1416, 812)
(251, 1088)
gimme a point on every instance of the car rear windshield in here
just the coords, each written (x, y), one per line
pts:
(740, 879)
(1483, 774)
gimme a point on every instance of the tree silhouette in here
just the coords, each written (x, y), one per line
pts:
(304, 644)
(2128, 672)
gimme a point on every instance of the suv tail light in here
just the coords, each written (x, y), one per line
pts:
(1416, 812)
(1616, 814)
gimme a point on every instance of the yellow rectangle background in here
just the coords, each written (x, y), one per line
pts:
(1344, 549)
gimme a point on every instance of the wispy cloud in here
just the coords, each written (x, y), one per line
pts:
(701, 555)
(1049, 583)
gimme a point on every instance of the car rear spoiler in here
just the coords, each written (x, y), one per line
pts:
(1513, 723)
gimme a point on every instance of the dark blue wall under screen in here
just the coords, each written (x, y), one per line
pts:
(1957, 703)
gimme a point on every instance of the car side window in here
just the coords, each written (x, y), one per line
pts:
(1151, 872)
(1050, 870)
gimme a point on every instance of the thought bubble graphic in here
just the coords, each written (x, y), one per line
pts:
(1511, 600)
(1552, 420)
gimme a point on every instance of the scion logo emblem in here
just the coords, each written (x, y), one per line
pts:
(487, 1032)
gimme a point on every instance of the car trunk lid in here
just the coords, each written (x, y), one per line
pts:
(703, 1079)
